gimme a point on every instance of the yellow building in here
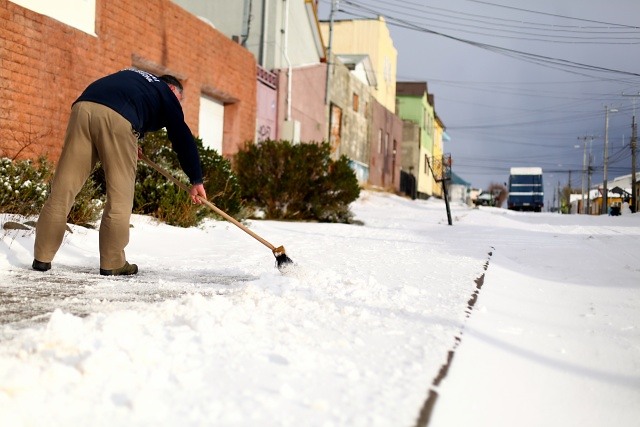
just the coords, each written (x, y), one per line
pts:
(438, 133)
(371, 37)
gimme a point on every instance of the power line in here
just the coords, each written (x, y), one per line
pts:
(551, 14)
(542, 60)
(607, 24)
(543, 32)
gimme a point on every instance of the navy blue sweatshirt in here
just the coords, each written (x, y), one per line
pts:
(149, 105)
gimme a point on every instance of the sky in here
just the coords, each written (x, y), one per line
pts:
(521, 83)
(503, 318)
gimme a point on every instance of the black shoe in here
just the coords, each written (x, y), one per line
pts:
(126, 270)
(40, 266)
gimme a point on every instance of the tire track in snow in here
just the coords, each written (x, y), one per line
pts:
(429, 403)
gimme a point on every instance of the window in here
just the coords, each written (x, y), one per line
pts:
(356, 101)
(80, 14)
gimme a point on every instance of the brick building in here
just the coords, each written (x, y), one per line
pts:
(45, 64)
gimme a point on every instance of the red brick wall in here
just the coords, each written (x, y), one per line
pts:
(44, 65)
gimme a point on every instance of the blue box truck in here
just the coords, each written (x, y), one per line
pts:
(526, 192)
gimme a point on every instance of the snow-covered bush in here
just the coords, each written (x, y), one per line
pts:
(24, 187)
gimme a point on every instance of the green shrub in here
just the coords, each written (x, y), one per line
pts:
(339, 189)
(24, 187)
(161, 199)
(158, 197)
(297, 182)
(88, 205)
(220, 181)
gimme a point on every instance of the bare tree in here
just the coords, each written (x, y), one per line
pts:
(25, 142)
(499, 192)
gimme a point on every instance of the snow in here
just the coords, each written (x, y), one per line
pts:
(537, 312)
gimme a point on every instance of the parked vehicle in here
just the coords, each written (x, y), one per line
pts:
(526, 192)
(485, 199)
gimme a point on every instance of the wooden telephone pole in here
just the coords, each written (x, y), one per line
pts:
(441, 171)
(634, 146)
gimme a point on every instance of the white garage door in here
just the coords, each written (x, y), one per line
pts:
(211, 122)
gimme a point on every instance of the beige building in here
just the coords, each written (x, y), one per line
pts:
(371, 37)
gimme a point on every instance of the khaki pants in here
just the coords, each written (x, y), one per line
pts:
(94, 132)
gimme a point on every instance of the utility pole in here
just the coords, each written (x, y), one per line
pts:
(334, 4)
(584, 173)
(634, 146)
(442, 174)
(605, 159)
(568, 200)
(585, 170)
(589, 182)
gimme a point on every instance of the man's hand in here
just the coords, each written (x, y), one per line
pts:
(197, 190)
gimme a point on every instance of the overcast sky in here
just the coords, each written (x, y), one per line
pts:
(520, 83)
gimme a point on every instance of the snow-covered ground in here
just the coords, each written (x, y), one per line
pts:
(502, 319)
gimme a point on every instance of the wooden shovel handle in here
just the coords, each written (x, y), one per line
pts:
(213, 207)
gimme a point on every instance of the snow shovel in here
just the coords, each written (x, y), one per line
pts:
(282, 260)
